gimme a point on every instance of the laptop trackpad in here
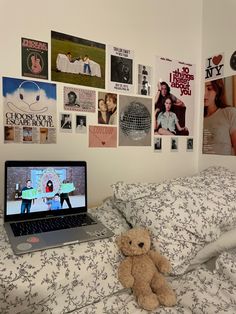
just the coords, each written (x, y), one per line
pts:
(63, 236)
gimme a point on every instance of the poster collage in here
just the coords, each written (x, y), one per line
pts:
(219, 126)
(132, 105)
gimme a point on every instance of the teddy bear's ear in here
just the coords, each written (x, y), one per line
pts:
(121, 240)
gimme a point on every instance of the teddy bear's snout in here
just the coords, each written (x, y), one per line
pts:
(141, 244)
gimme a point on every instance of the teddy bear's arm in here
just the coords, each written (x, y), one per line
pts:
(124, 273)
(160, 261)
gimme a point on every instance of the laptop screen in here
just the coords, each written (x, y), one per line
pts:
(44, 188)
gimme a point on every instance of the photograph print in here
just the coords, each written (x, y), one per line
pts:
(107, 108)
(77, 61)
(135, 121)
(144, 80)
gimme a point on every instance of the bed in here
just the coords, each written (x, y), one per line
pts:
(192, 222)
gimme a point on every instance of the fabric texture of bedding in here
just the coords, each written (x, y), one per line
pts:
(183, 214)
(192, 217)
(62, 279)
(198, 292)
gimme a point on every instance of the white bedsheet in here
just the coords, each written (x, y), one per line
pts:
(77, 67)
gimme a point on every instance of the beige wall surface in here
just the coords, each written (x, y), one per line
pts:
(150, 28)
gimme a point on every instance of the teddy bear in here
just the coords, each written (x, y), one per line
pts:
(141, 270)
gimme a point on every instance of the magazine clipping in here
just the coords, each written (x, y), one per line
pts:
(121, 67)
(29, 111)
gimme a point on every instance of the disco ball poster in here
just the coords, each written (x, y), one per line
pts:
(135, 121)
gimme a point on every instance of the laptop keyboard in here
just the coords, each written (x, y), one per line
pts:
(50, 224)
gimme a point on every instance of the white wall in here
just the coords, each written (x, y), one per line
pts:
(151, 28)
(219, 25)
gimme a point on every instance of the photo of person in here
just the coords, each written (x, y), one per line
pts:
(77, 60)
(121, 69)
(111, 102)
(189, 144)
(174, 144)
(72, 99)
(219, 125)
(54, 203)
(103, 114)
(26, 203)
(107, 108)
(157, 144)
(144, 70)
(81, 124)
(167, 122)
(144, 80)
(175, 79)
(66, 121)
(65, 197)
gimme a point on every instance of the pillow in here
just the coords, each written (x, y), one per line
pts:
(183, 214)
(225, 242)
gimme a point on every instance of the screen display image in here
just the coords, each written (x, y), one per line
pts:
(45, 188)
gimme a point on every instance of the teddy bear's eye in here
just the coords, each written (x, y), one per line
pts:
(130, 242)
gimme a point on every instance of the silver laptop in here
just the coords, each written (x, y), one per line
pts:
(45, 205)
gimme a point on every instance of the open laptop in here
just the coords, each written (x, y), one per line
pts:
(45, 205)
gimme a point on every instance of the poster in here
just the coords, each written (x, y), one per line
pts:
(77, 61)
(144, 80)
(121, 68)
(78, 99)
(102, 136)
(34, 58)
(219, 123)
(174, 80)
(135, 121)
(29, 111)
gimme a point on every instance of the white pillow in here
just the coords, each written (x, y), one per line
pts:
(183, 214)
(225, 242)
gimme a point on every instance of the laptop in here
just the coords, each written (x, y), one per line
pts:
(45, 205)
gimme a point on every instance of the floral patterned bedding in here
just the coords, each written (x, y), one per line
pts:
(198, 292)
(183, 214)
(62, 279)
(82, 278)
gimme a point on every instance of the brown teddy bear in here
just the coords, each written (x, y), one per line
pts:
(141, 268)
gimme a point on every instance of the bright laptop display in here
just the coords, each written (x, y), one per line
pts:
(45, 205)
(40, 188)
